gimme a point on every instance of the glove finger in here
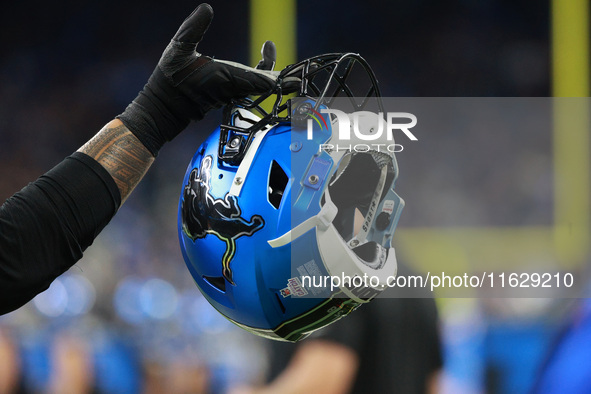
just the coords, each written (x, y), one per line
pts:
(246, 84)
(291, 84)
(260, 81)
(237, 68)
(269, 55)
(195, 26)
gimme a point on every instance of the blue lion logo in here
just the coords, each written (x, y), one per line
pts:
(202, 214)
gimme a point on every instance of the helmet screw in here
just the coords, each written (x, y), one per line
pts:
(313, 179)
(295, 146)
(238, 180)
(354, 243)
(304, 108)
(234, 142)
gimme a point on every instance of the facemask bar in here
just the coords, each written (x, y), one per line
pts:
(235, 141)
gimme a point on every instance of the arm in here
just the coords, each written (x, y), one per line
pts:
(119, 152)
(45, 228)
(10, 368)
(318, 366)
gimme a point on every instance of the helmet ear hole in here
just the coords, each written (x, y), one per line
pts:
(277, 183)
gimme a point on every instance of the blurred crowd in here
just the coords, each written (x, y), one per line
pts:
(128, 317)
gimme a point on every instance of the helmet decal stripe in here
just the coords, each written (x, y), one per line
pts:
(246, 162)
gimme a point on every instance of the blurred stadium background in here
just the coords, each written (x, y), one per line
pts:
(128, 318)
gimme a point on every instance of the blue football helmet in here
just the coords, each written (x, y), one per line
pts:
(272, 210)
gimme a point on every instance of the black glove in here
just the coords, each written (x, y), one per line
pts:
(185, 85)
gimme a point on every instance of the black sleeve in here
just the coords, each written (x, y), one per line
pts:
(46, 226)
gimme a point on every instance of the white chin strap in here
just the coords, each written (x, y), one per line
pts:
(322, 220)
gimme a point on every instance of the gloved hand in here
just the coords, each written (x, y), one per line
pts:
(185, 84)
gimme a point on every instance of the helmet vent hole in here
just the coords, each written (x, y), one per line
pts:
(217, 282)
(277, 183)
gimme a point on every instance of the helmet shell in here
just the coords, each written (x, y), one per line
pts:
(250, 289)
(263, 206)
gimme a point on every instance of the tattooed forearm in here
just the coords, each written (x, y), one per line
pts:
(121, 154)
